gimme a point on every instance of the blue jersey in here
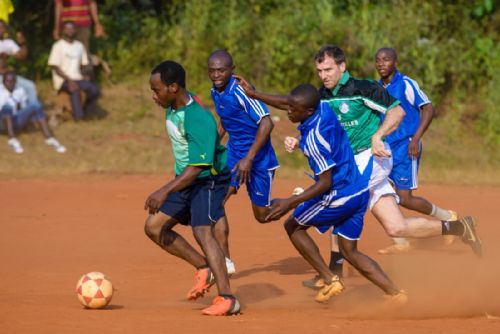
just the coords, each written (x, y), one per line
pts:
(326, 146)
(412, 98)
(240, 116)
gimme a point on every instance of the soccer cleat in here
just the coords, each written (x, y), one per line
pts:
(448, 239)
(470, 236)
(315, 283)
(329, 290)
(231, 268)
(15, 145)
(203, 279)
(398, 299)
(395, 248)
(223, 305)
(56, 145)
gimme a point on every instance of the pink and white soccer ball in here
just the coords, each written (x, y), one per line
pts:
(94, 290)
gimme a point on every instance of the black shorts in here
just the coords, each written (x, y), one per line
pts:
(201, 203)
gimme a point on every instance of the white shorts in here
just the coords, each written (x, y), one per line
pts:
(379, 184)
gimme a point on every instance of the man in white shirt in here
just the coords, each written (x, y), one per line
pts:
(66, 59)
(16, 111)
(19, 51)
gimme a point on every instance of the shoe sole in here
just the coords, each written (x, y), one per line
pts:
(312, 286)
(470, 236)
(392, 250)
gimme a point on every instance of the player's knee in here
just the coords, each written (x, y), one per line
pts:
(395, 230)
(151, 229)
(290, 226)
(261, 218)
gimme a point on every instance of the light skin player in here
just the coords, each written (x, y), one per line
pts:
(406, 141)
(195, 196)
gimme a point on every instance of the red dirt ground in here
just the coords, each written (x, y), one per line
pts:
(53, 231)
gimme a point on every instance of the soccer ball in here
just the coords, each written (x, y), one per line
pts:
(94, 290)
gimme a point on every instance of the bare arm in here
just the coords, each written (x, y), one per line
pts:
(23, 51)
(244, 166)
(98, 28)
(277, 101)
(186, 178)
(57, 20)
(393, 118)
(426, 115)
(280, 207)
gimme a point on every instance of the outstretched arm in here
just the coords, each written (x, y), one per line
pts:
(393, 117)
(280, 207)
(277, 101)
(427, 113)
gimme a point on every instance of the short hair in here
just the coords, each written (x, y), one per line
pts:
(308, 94)
(332, 51)
(391, 51)
(171, 72)
(224, 54)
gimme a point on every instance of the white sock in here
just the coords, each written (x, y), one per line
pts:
(440, 214)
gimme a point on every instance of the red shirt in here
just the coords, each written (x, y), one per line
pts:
(77, 11)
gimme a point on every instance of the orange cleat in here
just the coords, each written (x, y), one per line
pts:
(223, 306)
(203, 279)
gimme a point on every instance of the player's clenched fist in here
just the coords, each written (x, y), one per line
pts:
(291, 143)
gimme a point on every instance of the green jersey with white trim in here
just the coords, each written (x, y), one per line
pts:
(358, 105)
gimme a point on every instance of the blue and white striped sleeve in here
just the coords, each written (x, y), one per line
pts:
(254, 108)
(414, 95)
(319, 153)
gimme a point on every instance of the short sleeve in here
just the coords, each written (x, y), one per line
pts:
(414, 95)
(255, 109)
(376, 97)
(55, 56)
(13, 48)
(201, 135)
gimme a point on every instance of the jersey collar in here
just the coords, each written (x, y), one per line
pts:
(310, 121)
(343, 80)
(395, 78)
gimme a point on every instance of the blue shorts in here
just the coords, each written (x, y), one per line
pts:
(404, 172)
(259, 187)
(32, 112)
(344, 214)
(201, 203)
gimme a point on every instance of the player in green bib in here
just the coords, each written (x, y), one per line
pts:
(196, 195)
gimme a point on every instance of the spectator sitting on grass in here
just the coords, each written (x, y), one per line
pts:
(9, 48)
(17, 110)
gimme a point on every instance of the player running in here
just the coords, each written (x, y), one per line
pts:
(337, 199)
(405, 142)
(250, 155)
(195, 196)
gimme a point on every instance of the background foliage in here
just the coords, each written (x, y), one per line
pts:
(450, 47)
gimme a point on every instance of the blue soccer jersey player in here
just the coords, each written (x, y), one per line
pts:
(405, 142)
(250, 157)
(338, 198)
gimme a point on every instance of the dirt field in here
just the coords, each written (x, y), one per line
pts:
(54, 230)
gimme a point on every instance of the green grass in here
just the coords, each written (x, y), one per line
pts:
(129, 136)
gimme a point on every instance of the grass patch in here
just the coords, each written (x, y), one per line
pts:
(128, 136)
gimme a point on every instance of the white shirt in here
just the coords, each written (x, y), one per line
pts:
(9, 47)
(17, 99)
(69, 57)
